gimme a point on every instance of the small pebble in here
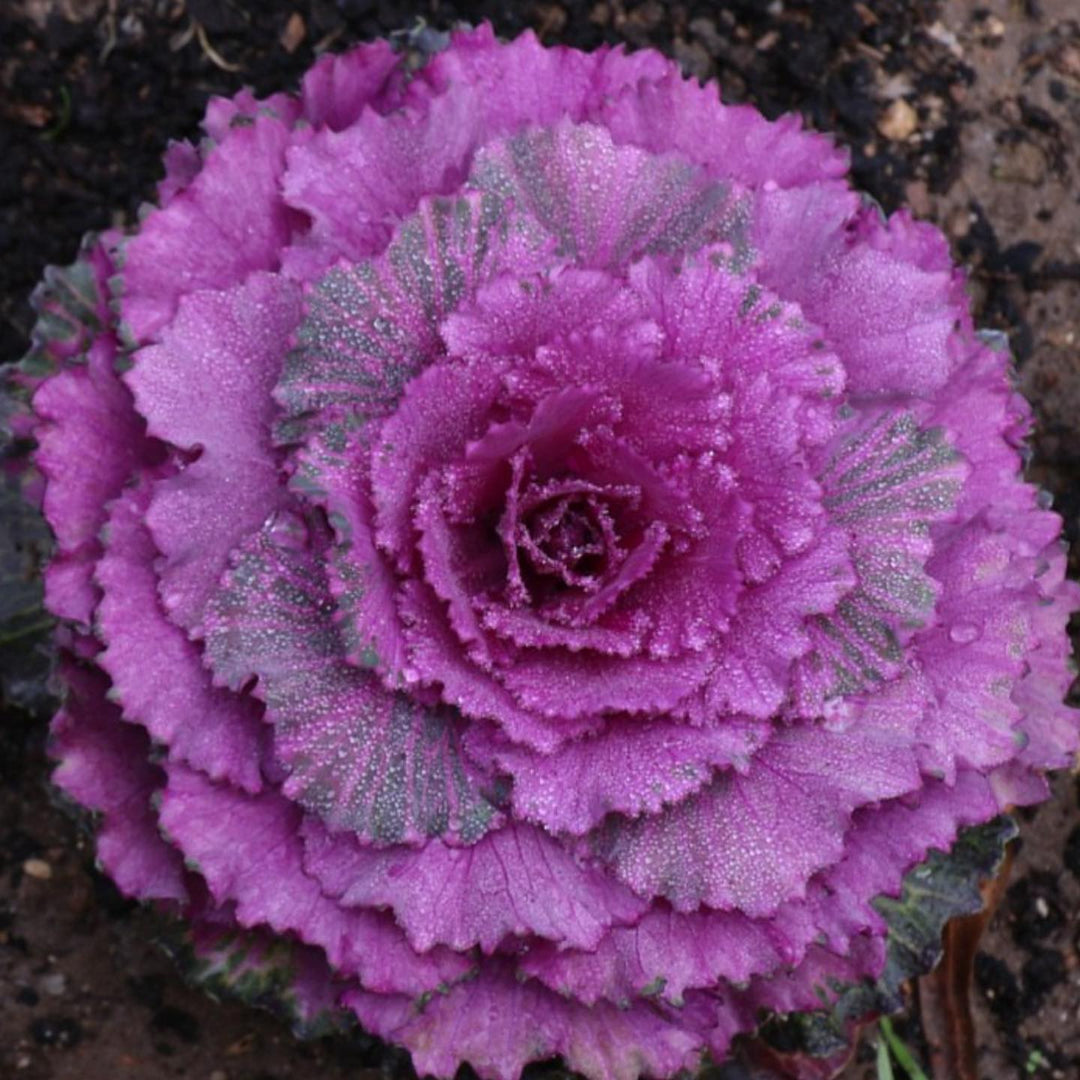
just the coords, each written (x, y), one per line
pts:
(294, 33)
(944, 36)
(37, 868)
(899, 121)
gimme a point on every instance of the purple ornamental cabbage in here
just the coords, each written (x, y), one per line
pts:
(537, 555)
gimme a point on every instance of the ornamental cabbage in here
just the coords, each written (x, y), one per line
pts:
(537, 556)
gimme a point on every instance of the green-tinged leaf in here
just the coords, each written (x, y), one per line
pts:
(361, 756)
(24, 623)
(286, 978)
(72, 306)
(889, 480)
(943, 887)
(371, 327)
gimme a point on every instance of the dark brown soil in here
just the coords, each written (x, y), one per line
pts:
(970, 114)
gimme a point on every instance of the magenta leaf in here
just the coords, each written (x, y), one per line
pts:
(105, 766)
(515, 882)
(607, 205)
(248, 849)
(206, 388)
(157, 674)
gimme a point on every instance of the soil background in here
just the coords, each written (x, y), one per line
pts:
(968, 113)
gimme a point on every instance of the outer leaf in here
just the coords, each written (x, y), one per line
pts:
(90, 440)
(249, 850)
(751, 842)
(158, 678)
(72, 308)
(227, 223)
(521, 83)
(105, 765)
(206, 387)
(944, 886)
(499, 1024)
(883, 291)
(673, 113)
(24, 623)
(516, 882)
(358, 184)
(289, 979)
(337, 88)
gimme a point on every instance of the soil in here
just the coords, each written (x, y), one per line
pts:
(970, 114)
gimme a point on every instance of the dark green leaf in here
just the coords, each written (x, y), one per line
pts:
(943, 887)
(24, 624)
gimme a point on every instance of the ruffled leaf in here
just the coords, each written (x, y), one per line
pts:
(358, 184)
(889, 481)
(158, 677)
(770, 629)
(674, 114)
(515, 882)
(631, 768)
(499, 1024)
(606, 205)
(228, 222)
(206, 388)
(248, 849)
(364, 758)
(889, 316)
(977, 652)
(521, 83)
(369, 328)
(752, 841)
(338, 87)
(667, 953)
(90, 440)
(104, 764)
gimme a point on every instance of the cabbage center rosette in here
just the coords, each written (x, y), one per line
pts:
(540, 556)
